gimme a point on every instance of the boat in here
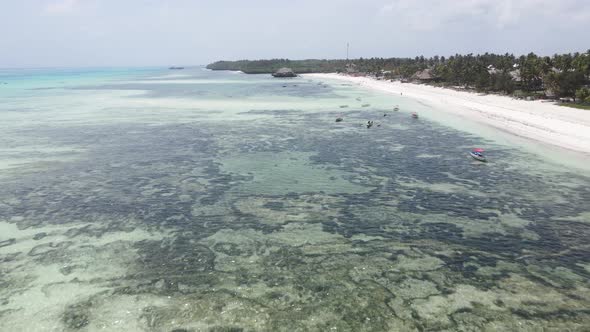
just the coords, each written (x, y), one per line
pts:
(175, 68)
(358, 98)
(396, 108)
(366, 105)
(343, 106)
(477, 154)
(339, 119)
(415, 115)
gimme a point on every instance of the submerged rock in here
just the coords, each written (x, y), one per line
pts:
(75, 318)
(226, 329)
(46, 248)
(7, 242)
(39, 236)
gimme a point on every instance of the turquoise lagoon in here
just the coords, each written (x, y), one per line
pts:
(190, 200)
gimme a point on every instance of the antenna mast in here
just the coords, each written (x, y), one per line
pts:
(347, 45)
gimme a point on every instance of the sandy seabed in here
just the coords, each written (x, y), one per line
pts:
(546, 122)
(215, 206)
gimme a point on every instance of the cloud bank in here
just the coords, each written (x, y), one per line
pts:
(185, 32)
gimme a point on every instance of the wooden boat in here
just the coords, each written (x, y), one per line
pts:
(478, 157)
(477, 154)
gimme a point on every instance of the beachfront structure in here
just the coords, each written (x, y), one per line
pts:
(515, 75)
(351, 68)
(424, 76)
(492, 70)
(284, 72)
(550, 93)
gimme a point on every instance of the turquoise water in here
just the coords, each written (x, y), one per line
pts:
(157, 200)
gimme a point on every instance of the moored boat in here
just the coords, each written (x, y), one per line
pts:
(415, 115)
(477, 154)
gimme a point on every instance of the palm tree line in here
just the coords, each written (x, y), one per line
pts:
(560, 75)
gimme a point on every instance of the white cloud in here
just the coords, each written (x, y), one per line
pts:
(62, 6)
(432, 14)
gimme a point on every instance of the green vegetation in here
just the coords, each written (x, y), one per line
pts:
(560, 75)
(574, 105)
(270, 66)
(583, 95)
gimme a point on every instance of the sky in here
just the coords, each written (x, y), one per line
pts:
(79, 33)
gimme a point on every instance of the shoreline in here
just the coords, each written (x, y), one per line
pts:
(547, 123)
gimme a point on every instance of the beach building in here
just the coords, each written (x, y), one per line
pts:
(550, 93)
(424, 76)
(492, 70)
(284, 72)
(515, 75)
(351, 68)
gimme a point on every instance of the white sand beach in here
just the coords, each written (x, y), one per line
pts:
(545, 122)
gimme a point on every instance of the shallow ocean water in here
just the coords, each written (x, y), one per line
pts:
(152, 200)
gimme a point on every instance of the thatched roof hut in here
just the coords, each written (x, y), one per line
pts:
(284, 72)
(425, 75)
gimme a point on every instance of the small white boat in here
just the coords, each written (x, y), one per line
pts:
(477, 154)
(396, 108)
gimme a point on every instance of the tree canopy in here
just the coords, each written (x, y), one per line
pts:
(560, 75)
